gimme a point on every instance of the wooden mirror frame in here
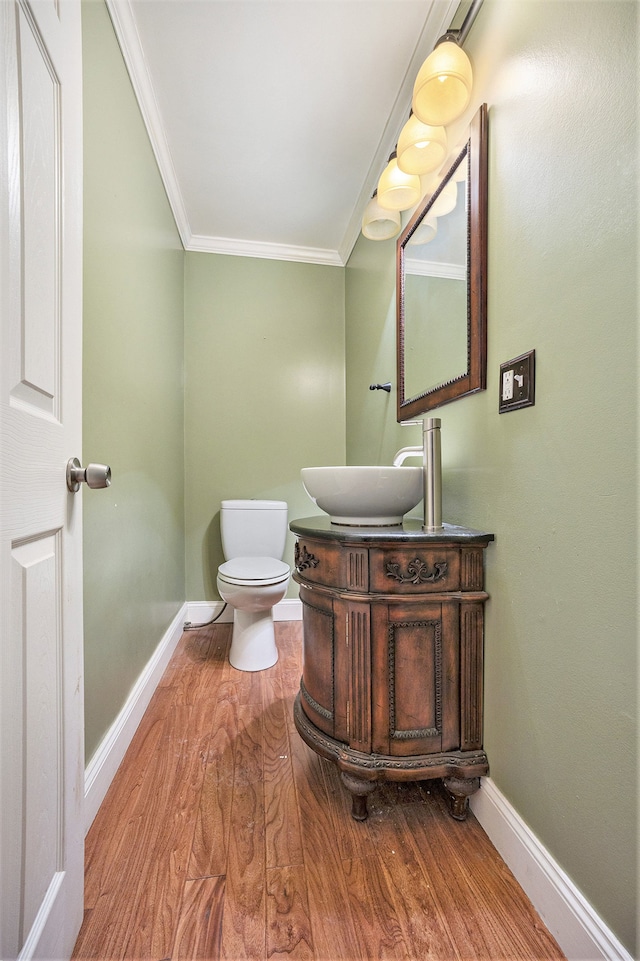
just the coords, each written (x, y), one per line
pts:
(475, 376)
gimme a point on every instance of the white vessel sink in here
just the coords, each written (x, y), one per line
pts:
(364, 496)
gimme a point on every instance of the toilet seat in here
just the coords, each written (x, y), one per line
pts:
(255, 571)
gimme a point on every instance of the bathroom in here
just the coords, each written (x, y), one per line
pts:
(226, 375)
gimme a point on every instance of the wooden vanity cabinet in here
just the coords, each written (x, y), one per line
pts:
(393, 651)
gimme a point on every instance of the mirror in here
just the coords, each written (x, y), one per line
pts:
(441, 286)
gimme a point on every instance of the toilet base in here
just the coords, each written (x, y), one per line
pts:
(253, 642)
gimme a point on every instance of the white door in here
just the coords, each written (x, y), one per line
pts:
(41, 723)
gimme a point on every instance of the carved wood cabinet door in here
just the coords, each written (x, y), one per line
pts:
(415, 648)
(383, 678)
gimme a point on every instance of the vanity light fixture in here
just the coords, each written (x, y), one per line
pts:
(379, 223)
(441, 94)
(421, 147)
(442, 91)
(397, 190)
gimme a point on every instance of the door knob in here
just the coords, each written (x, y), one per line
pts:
(94, 475)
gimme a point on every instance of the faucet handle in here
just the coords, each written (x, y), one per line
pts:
(410, 423)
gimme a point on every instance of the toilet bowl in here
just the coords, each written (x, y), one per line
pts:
(253, 579)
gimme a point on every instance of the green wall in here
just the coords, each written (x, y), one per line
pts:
(133, 392)
(264, 396)
(264, 357)
(555, 482)
(373, 435)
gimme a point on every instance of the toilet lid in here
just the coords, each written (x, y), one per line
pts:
(257, 570)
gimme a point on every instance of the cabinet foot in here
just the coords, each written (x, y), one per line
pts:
(459, 790)
(359, 790)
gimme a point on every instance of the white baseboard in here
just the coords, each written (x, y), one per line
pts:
(199, 612)
(102, 767)
(580, 932)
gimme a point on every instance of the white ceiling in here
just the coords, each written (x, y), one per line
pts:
(271, 120)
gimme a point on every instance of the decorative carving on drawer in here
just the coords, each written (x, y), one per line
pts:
(418, 572)
(303, 559)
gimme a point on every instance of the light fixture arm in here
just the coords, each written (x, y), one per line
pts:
(459, 35)
(467, 23)
(453, 36)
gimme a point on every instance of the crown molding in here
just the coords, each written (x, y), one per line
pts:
(124, 25)
(126, 32)
(431, 268)
(128, 39)
(266, 251)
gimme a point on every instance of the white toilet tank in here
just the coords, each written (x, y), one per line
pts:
(253, 528)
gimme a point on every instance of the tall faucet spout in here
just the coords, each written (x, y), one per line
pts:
(432, 460)
(431, 455)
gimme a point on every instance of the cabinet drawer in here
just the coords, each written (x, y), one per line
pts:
(317, 563)
(330, 565)
(414, 570)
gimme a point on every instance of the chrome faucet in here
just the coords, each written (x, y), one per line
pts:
(430, 452)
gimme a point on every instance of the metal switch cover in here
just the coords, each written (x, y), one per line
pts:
(518, 382)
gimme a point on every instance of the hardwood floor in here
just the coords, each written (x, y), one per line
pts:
(224, 837)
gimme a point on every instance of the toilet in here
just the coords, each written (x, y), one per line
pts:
(253, 577)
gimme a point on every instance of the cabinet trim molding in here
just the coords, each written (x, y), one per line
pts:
(311, 701)
(467, 764)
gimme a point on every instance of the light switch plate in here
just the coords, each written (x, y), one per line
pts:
(518, 383)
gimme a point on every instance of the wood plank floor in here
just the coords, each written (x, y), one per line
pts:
(223, 836)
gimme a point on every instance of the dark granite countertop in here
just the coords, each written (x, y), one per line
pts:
(408, 532)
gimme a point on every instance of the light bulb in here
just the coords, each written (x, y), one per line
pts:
(421, 147)
(425, 233)
(446, 200)
(442, 90)
(397, 190)
(378, 223)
